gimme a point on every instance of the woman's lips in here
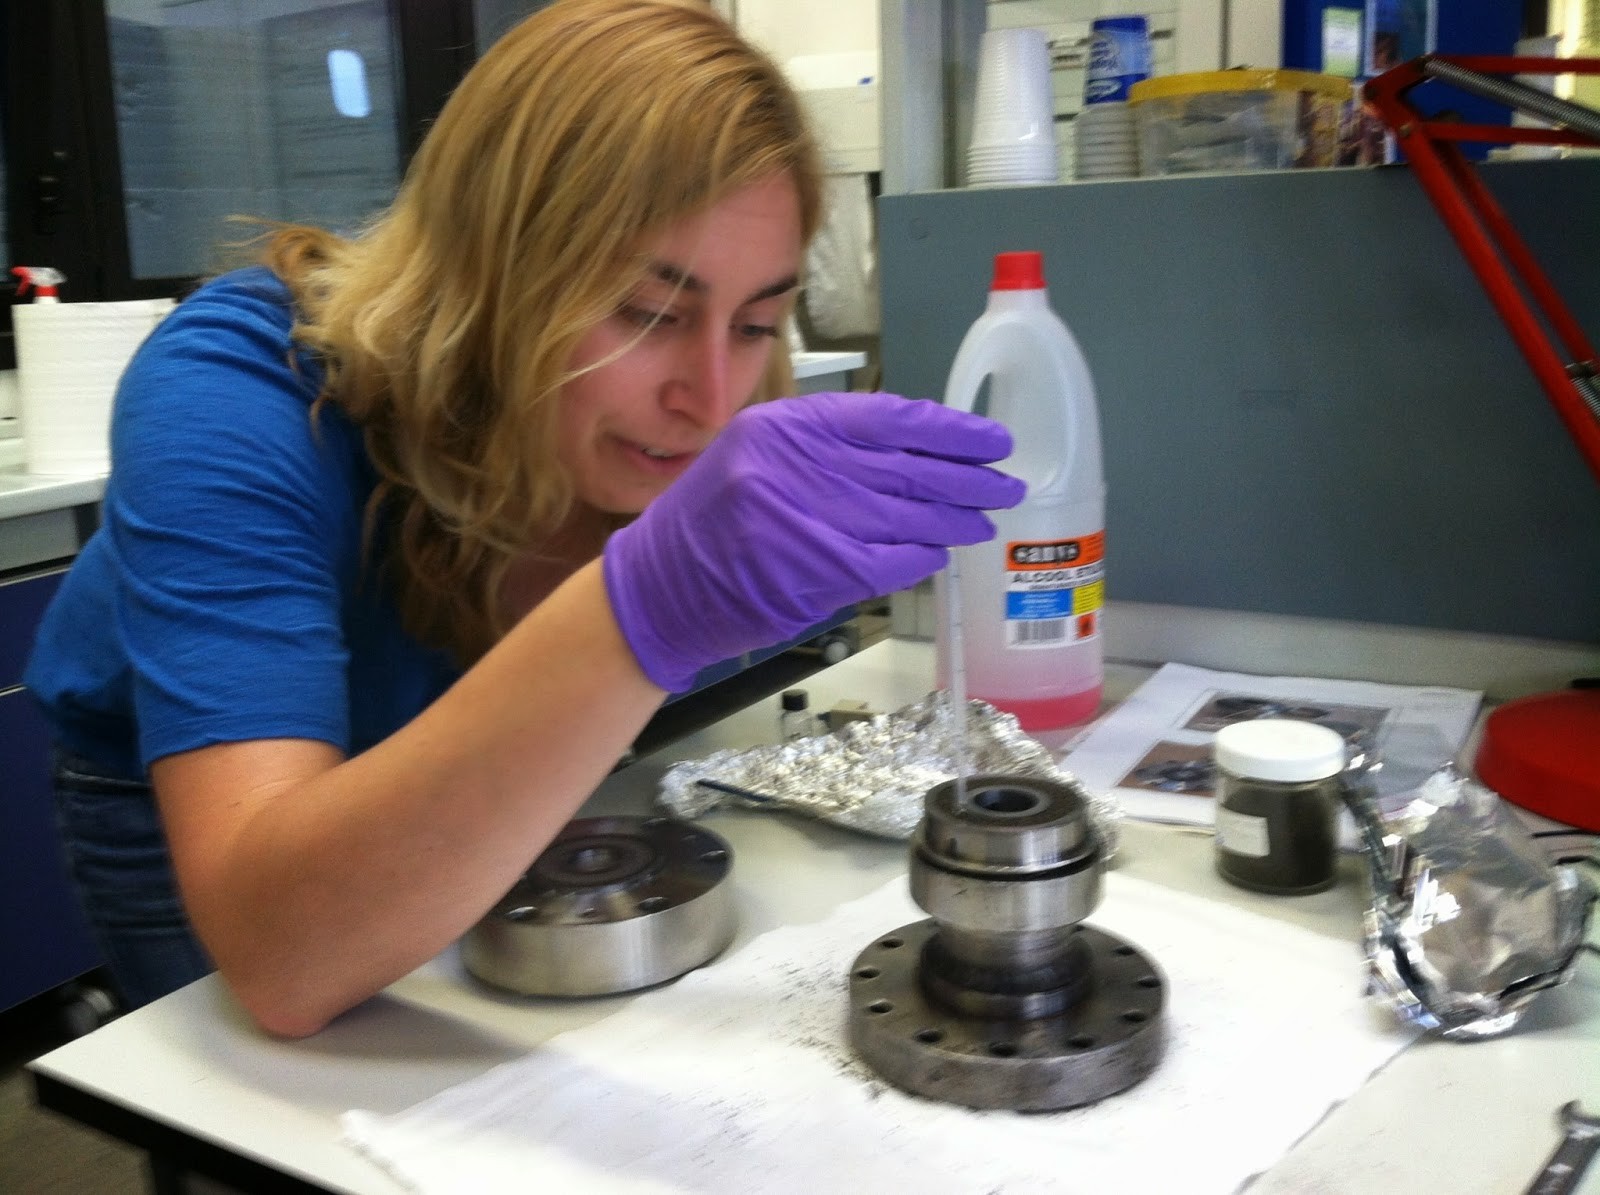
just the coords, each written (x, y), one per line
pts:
(656, 466)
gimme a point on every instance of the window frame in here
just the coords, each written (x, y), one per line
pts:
(64, 197)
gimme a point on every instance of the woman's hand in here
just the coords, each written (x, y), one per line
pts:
(799, 507)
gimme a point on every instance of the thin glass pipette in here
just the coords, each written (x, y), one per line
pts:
(958, 675)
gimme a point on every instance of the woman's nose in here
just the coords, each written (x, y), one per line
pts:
(703, 388)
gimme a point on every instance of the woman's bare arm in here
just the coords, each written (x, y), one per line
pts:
(315, 881)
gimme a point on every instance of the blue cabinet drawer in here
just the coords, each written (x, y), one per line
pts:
(22, 603)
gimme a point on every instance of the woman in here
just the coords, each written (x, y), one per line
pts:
(346, 649)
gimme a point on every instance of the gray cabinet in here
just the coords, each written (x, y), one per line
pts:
(44, 939)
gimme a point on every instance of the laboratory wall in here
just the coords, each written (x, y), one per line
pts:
(786, 29)
(1309, 406)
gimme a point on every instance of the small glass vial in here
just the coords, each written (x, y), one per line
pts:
(795, 719)
(1278, 805)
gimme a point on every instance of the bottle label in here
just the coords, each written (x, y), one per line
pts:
(1241, 834)
(1054, 590)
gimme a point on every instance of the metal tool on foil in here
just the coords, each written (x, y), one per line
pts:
(872, 776)
(1004, 998)
(1581, 1141)
(613, 904)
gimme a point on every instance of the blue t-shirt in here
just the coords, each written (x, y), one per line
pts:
(225, 597)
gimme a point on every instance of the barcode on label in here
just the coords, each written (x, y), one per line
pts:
(1038, 630)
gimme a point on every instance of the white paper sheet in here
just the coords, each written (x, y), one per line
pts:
(738, 1078)
(1171, 719)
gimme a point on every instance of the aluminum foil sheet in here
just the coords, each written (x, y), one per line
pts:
(872, 775)
(1469, 919)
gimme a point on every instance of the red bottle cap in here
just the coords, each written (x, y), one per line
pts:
(1018, 271)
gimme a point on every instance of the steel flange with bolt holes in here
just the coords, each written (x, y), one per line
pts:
(613, 904)
(1003, 999)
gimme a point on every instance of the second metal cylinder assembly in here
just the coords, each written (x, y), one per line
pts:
(613, 904)
(1003, 998)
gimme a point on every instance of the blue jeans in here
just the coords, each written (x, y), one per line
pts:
(118, 855)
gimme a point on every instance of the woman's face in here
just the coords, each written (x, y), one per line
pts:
(685, 351)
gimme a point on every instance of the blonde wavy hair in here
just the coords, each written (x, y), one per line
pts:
(447, 327)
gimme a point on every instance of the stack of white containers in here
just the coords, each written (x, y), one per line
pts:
(1013, 116)
(1107, 139)
(70, 357)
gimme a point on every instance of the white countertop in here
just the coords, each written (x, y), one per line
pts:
(810, 365)
(1473, 1119)
(24, 493)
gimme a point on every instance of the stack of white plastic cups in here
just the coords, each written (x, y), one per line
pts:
(1106, 138)
(1013, 116)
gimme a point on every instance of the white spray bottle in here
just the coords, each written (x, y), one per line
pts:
(42, 280)
(1031, 598)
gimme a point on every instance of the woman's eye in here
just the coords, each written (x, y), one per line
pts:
(646, 318)
(757, 331)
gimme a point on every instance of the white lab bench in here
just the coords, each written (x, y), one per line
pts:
(815, 372)
(190, 1079)
(44, 518)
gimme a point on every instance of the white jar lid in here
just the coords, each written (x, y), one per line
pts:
(1279, 749)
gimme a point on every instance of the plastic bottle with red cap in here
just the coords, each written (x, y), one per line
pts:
(41, 280)
(1032, 598)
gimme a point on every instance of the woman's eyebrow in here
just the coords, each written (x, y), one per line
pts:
(673, 276)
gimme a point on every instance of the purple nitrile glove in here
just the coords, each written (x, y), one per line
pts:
(799, 507)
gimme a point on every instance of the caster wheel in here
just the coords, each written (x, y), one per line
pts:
(835, 650)
(84, 1009)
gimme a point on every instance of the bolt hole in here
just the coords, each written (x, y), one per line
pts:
(880, 1006)
(1003, 1049)
(653, 904)
(714, 856)
(1124, 951)
(589, 914)
(1149, 981)
(1134, 1017)
(930, 1036)
(1081, 1041)
(868, 973)
(892, 943)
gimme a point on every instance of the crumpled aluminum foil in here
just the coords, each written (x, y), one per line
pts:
(1469, 919)
(872, 775)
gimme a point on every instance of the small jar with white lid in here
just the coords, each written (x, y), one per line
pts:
(1278, 805)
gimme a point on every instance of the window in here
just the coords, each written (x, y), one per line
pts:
(159, 119)
(491, 18)
(226, 107)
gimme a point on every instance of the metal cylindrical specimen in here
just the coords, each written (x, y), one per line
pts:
(1003, 999)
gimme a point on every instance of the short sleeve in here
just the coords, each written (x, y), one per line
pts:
(234, 527)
